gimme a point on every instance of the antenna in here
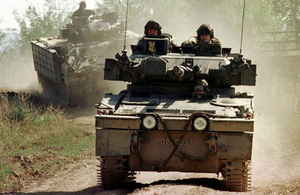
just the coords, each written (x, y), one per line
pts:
(241, 45)
(126, 25)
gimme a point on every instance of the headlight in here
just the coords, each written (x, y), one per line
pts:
(200, 123)
(149, 122)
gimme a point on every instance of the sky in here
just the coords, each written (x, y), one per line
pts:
(7, 7)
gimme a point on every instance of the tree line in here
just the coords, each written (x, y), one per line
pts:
(178, 17)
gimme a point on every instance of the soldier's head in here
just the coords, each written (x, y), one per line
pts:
(82, 5)
(152, 28)
(205, 32)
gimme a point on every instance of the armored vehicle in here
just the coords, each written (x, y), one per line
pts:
(70, 66)
(180, 112)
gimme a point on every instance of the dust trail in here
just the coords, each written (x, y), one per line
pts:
(19, 75)
(276, 138)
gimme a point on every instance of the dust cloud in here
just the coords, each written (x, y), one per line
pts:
(276, 137)
(19, 75)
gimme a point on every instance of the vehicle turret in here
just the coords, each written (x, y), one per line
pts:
(179, 68)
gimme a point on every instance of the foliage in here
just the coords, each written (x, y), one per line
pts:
(139, 12)
(288, 11)
(21, 120)
(35, 23)
(182, 18)
(35, 137)
(2, 34)
(260, 15)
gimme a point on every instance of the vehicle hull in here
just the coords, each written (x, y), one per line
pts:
(153, 150)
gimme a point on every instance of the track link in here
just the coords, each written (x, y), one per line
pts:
(237, 176)
(114, 172)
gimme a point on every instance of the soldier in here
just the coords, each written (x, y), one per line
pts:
(79, 20)
(152, 28)
(205, 34)
(81, 15)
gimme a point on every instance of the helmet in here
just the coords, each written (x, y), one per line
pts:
(151, 24)
(82, 4)
(205, 29)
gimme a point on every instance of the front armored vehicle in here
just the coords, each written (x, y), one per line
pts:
(70, 66)
(180, 112)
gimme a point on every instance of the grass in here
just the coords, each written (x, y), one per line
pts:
(33, 139)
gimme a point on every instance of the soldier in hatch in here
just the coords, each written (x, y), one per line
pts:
(205, 35)
(81, 15)
(152, 28)
(79, 20)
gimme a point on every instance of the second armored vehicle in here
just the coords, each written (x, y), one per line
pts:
(70, 66)
(180, 112)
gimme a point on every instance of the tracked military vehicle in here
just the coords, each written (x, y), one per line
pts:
(180, 112)
(70, 66)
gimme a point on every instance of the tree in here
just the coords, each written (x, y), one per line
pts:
(180, 18)
(183, 17)
(2, 34)
(288, 11)
(16, 58)
(35, 23)
(168, 13)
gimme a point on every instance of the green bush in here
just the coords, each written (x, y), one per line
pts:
(40, 136)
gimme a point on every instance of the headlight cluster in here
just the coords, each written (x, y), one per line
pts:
(149, 122)
(200, 123)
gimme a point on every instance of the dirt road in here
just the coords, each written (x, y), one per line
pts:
(275, 169)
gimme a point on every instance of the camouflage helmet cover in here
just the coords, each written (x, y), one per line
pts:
(151, 24)
(205, 29)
